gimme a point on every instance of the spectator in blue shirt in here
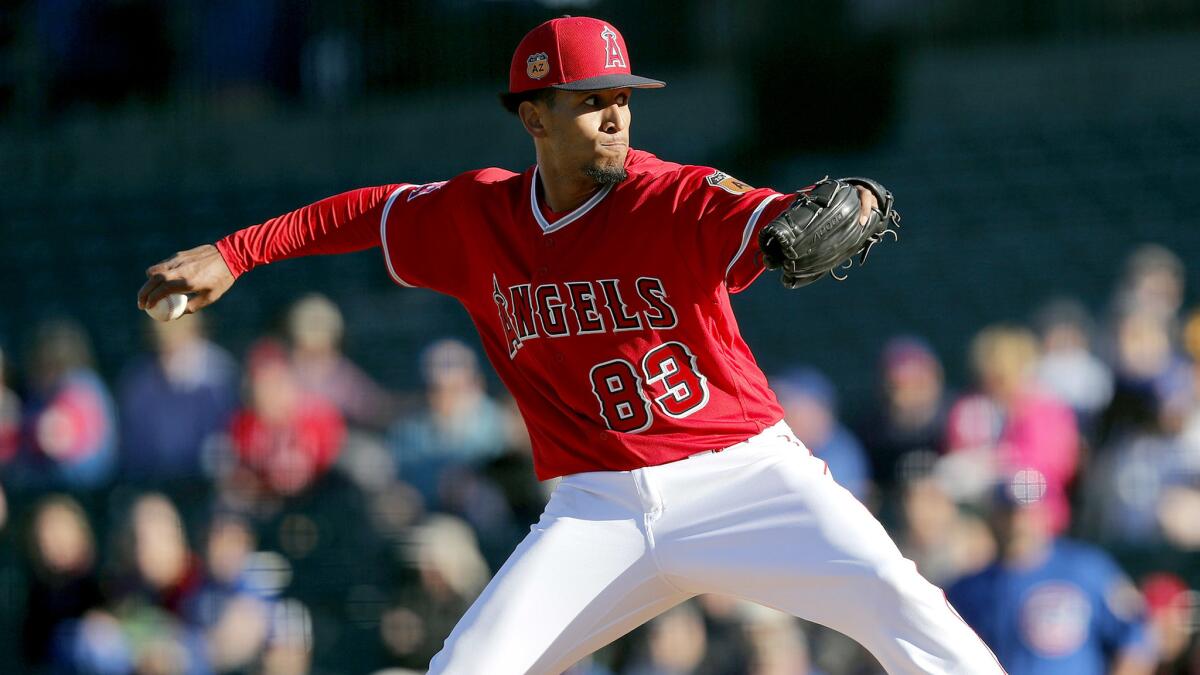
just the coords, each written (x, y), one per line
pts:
(1051, 605)
(460, 427)
(173, 400)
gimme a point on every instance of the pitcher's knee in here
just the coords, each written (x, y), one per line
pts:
(916, 609)
(486, 656)
(899, 582)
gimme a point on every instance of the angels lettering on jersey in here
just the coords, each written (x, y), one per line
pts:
(563, 309)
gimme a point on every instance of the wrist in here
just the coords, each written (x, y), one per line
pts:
(236, 264)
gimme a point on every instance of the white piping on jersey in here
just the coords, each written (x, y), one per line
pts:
(387, 257)
(566, 220)
(748, 231)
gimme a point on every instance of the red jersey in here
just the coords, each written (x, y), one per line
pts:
(610, 324)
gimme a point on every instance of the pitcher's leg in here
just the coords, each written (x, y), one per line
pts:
(787, 536)
(573, 585)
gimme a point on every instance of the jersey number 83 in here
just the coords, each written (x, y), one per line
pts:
(668, 378)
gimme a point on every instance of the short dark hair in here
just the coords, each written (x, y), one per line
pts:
(512, 102)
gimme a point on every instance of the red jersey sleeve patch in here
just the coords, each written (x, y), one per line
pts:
(727, 183)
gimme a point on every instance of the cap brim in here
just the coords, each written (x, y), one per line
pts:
(610, 82)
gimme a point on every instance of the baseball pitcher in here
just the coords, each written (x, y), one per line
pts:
(599, 281)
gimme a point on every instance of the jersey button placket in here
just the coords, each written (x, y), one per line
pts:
(546, 255)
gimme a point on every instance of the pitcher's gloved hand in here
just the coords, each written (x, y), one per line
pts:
(821, 231)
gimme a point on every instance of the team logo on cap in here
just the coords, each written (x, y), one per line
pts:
(727, 183)
(612, 51)
(537, 65)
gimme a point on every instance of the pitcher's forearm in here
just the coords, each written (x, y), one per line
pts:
(343, 223)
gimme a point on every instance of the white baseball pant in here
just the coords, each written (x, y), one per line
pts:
(761, 520)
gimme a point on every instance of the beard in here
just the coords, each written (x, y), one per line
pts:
(606, 175)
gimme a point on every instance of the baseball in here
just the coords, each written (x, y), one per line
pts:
(169, 308)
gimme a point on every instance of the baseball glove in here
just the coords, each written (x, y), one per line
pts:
(819, 232)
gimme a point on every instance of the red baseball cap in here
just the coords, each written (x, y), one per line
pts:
(576, 53)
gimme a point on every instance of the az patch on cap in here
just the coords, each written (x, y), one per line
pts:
(537, 65)
(727, 183)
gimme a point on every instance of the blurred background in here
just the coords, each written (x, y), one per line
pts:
(318, 474)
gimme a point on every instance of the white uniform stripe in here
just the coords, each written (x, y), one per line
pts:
(746, 233)
(571, 217)
(387, 256)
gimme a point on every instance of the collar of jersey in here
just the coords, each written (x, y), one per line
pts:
(579, 212)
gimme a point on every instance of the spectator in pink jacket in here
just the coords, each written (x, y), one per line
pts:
(1011, 423)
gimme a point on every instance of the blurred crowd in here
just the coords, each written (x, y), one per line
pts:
(58, 56)
(286, 513)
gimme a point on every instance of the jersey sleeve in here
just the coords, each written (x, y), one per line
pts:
(343, 223)
(422, 229)
(728, 215)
